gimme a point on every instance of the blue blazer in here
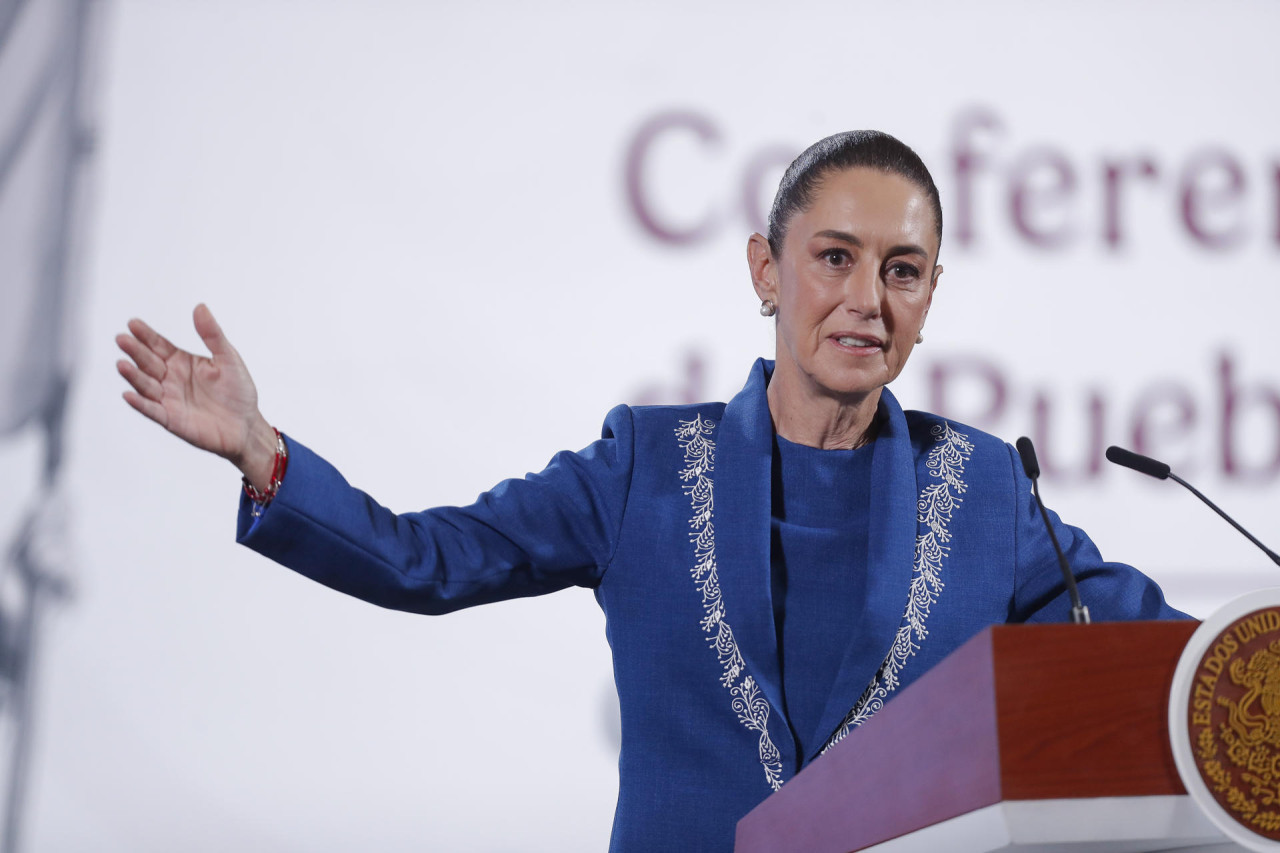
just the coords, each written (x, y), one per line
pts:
(667, 518)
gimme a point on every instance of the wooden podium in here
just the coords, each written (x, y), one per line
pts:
(1044, 737)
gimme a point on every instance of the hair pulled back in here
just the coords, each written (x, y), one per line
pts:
(871, 149)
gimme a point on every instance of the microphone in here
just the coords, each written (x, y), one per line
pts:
(1030, 466)
(1027, 451)
(1138, 462)
(1161, 471)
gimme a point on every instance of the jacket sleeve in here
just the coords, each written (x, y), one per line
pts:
(547, 531)
(1113, 592)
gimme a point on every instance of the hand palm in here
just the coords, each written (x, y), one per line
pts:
(208, 401)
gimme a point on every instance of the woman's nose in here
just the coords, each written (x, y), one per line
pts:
(862, 292)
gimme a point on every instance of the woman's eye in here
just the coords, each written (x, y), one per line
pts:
(836, 257)
(903, 271)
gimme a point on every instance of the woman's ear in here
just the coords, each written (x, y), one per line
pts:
(764, 269)
(933, 285)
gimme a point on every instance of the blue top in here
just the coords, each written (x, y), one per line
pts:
(820, 517)
(667, 519)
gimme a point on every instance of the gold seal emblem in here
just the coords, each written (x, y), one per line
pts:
(1233, 719)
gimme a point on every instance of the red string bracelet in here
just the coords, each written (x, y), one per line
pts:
(261, 499)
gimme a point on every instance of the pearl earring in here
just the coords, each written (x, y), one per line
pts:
(767, 308)
(920, 337)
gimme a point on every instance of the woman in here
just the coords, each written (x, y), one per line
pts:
(771, 569)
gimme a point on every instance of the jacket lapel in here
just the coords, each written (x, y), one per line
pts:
(744, 456)
(891, 538)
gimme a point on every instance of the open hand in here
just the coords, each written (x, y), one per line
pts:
(210, 402)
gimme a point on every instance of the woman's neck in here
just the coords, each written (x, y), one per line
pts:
(817, 420)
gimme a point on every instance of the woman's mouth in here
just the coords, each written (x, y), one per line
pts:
(857, 341)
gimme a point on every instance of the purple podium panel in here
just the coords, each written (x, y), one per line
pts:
(1020, 712)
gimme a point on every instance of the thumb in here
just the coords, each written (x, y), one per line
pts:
(210, 332)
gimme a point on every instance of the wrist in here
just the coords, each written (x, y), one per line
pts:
(280, 462)
(258, 460)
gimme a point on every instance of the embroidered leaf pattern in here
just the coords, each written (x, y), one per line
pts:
(937, 502)
(747, 702)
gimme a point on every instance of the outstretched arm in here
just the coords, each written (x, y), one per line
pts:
(208, 401)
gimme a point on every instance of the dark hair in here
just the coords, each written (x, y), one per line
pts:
(867, 148)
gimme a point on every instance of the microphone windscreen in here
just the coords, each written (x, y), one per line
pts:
(1138, 462)
(1028, 453)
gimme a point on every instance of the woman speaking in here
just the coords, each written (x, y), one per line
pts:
(772, 569)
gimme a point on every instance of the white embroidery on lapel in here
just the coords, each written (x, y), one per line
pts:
(751, 707)
(937, 501)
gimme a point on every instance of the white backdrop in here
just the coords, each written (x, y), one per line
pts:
(415, 222)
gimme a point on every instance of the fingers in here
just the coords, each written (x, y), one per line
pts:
(145, 385)
(210, 332)
(150, 363)
(149, 408)
(151, 339)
